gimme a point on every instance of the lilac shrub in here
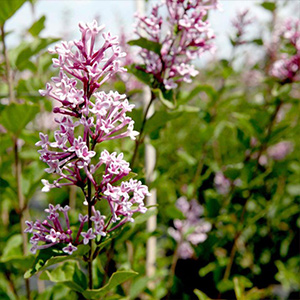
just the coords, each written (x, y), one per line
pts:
(183, 34)
(190, 231)
(87, 118)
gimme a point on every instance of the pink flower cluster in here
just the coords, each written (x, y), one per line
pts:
(224, 184)
(87, 118)
(81, 60)
(280, 150)
(187, 36)
(190, 231)
(287, 67)
(68, 154)
(277, 152)
(240, 23)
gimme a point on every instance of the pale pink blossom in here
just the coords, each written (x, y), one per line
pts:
(191, 230)
(183, 35)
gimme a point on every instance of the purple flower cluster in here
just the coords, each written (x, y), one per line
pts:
(52, 232)
(277, 152)
(187, 36)
(280, 150)
(224, 184)
(81, 60)
(87, 118)
(190, 231)
(68, 154)
(287, 67)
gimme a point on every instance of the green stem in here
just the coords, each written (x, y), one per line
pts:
(89, 200)
(17, 162)
(172, 271)
(9, 76)
(11, 284)
(90, 261)
(22, 206)
(139, 140)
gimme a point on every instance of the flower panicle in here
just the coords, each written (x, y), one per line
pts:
(241, 23)
(192, 230)
(99, 116)
(188, 36)
(286, 67)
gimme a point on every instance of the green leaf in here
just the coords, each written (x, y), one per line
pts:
(238, 288)
(37, 27)
(258, 42)
(188, 108)
(137, 116)
(141, 75)
(225, 285)
(12, 247)
(116, 279)
(165, 98)
(69, 274)
(8, 8)
(49, 257)
(209, 90)
(207, 269)
(159, 120)
(288, 273)
(138, 286)
(186, 157)
(12, 254)
(120, 86)
(271, 6)
(3, 184)
(293, 189)
(23, 59)
(142, 218)
(173, 212)
(16, 116)
(146, 44)
(227, 69)
(201, 295)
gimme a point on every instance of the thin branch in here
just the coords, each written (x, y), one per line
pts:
(139, 140)
(89, 201)
(11, 284)
(9, 76)
(21, 202)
